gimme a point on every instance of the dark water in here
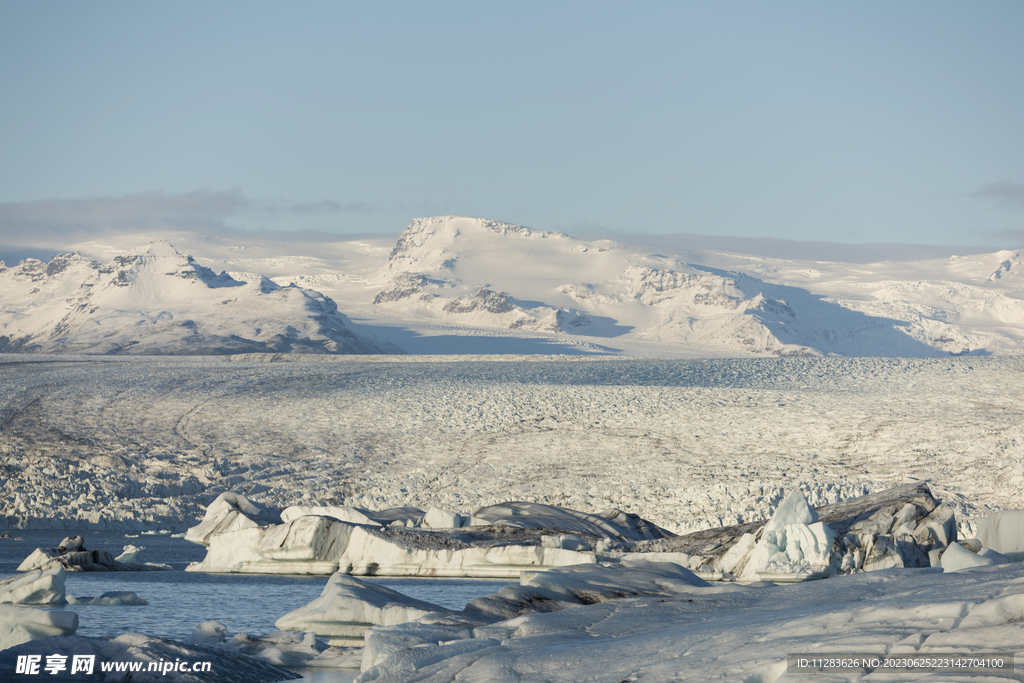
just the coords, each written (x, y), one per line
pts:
(179, 600)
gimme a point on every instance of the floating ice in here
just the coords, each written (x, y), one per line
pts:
(21, 624)
(231, 511)
(73, 556)
(109, 598)
(348, 606)
(34, 587)
(311, 543)
(131, 554)
(208, 632)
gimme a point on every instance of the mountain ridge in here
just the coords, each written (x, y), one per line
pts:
(154, 300)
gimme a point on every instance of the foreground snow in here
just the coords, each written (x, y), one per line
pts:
(225, 665)
(724, 633)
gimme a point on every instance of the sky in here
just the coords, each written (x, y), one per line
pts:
(868, 122)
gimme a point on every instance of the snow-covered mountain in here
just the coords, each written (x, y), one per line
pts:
(453, 284)
(154, 300)
(468, 271)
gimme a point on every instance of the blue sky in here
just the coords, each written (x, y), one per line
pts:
(847, 122)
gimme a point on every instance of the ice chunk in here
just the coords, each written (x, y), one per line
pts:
(416, 658)
(228, 512)
(793, 545)
(793, 509)
(285, 648)
(35, 587)
(22, 624)
(131, 554)
(76, 558)
(208, 632)
(1004, 533)
(109, 598)
(306, 545)
(348, 606)
(565, 541)
(957, 557)
(320, 545)
(997, 558)
(436, 518)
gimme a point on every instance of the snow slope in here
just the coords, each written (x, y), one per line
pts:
(154, 300)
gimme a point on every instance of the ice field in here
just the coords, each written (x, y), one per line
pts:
(688, 444)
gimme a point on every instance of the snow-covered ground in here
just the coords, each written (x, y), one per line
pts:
(128, 442)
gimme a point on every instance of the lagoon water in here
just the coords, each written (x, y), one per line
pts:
(179, 600)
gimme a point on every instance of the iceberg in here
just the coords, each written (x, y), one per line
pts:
(498, 541)
(347, 607)
(73, 556)
(897, 527)
(34, 587)
(228, 512)
(131, 554)
(22, 624)
(109, 598)
(321, 545)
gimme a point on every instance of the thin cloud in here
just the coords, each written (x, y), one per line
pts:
(322, 207)
(1003, 193)
(206, 211)
(97, 216)
(1010, 239)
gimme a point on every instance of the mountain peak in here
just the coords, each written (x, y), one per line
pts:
(158, 247)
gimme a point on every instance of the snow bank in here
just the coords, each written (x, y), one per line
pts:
(228, 512)
(22, 624)
(34, 587)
